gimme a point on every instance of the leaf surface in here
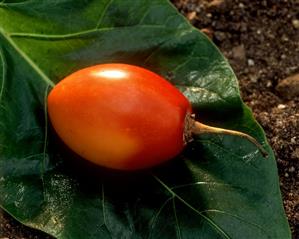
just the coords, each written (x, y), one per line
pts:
(219, 187)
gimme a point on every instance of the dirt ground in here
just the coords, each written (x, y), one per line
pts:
(260, 38)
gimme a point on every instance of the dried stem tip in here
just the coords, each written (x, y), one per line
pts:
(199, 128)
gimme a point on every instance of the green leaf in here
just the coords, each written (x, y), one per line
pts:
(220, 187)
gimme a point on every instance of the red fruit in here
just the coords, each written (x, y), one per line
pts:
(119, 116)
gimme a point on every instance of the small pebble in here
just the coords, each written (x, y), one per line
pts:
(217, 4)
(250, 62)
(208, 32)
(253, 78)
(283, 56)
(258, 31)
(279, 123)
(239, 52)
(292, 169)
(220, 36)
(288, 88)
(293, 140)
(281, 106)
(269, 84)
(191, 15)
(198, 9)
(8, 226)
(284, 38)
(295, 154)
(286, 175)
(241, 5)
(295, 23)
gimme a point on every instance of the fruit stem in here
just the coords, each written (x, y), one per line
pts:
(199, 128)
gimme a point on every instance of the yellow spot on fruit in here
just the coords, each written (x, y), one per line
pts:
(111, 148)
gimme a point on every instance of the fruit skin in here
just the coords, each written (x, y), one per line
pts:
(119, 116)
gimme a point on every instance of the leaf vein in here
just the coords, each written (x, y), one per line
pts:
(203, 89)
(103, 206)
(144, 15)
(4, 72)
(155, 217)
(75, 34)
(230, 152)
(103, 13)
(187, 61)
(178, 231)
(26, 58)
(239, 218)
(7, 4)
(200, 183)
(209, 220)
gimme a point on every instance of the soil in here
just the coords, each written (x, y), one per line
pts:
(260, 38)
